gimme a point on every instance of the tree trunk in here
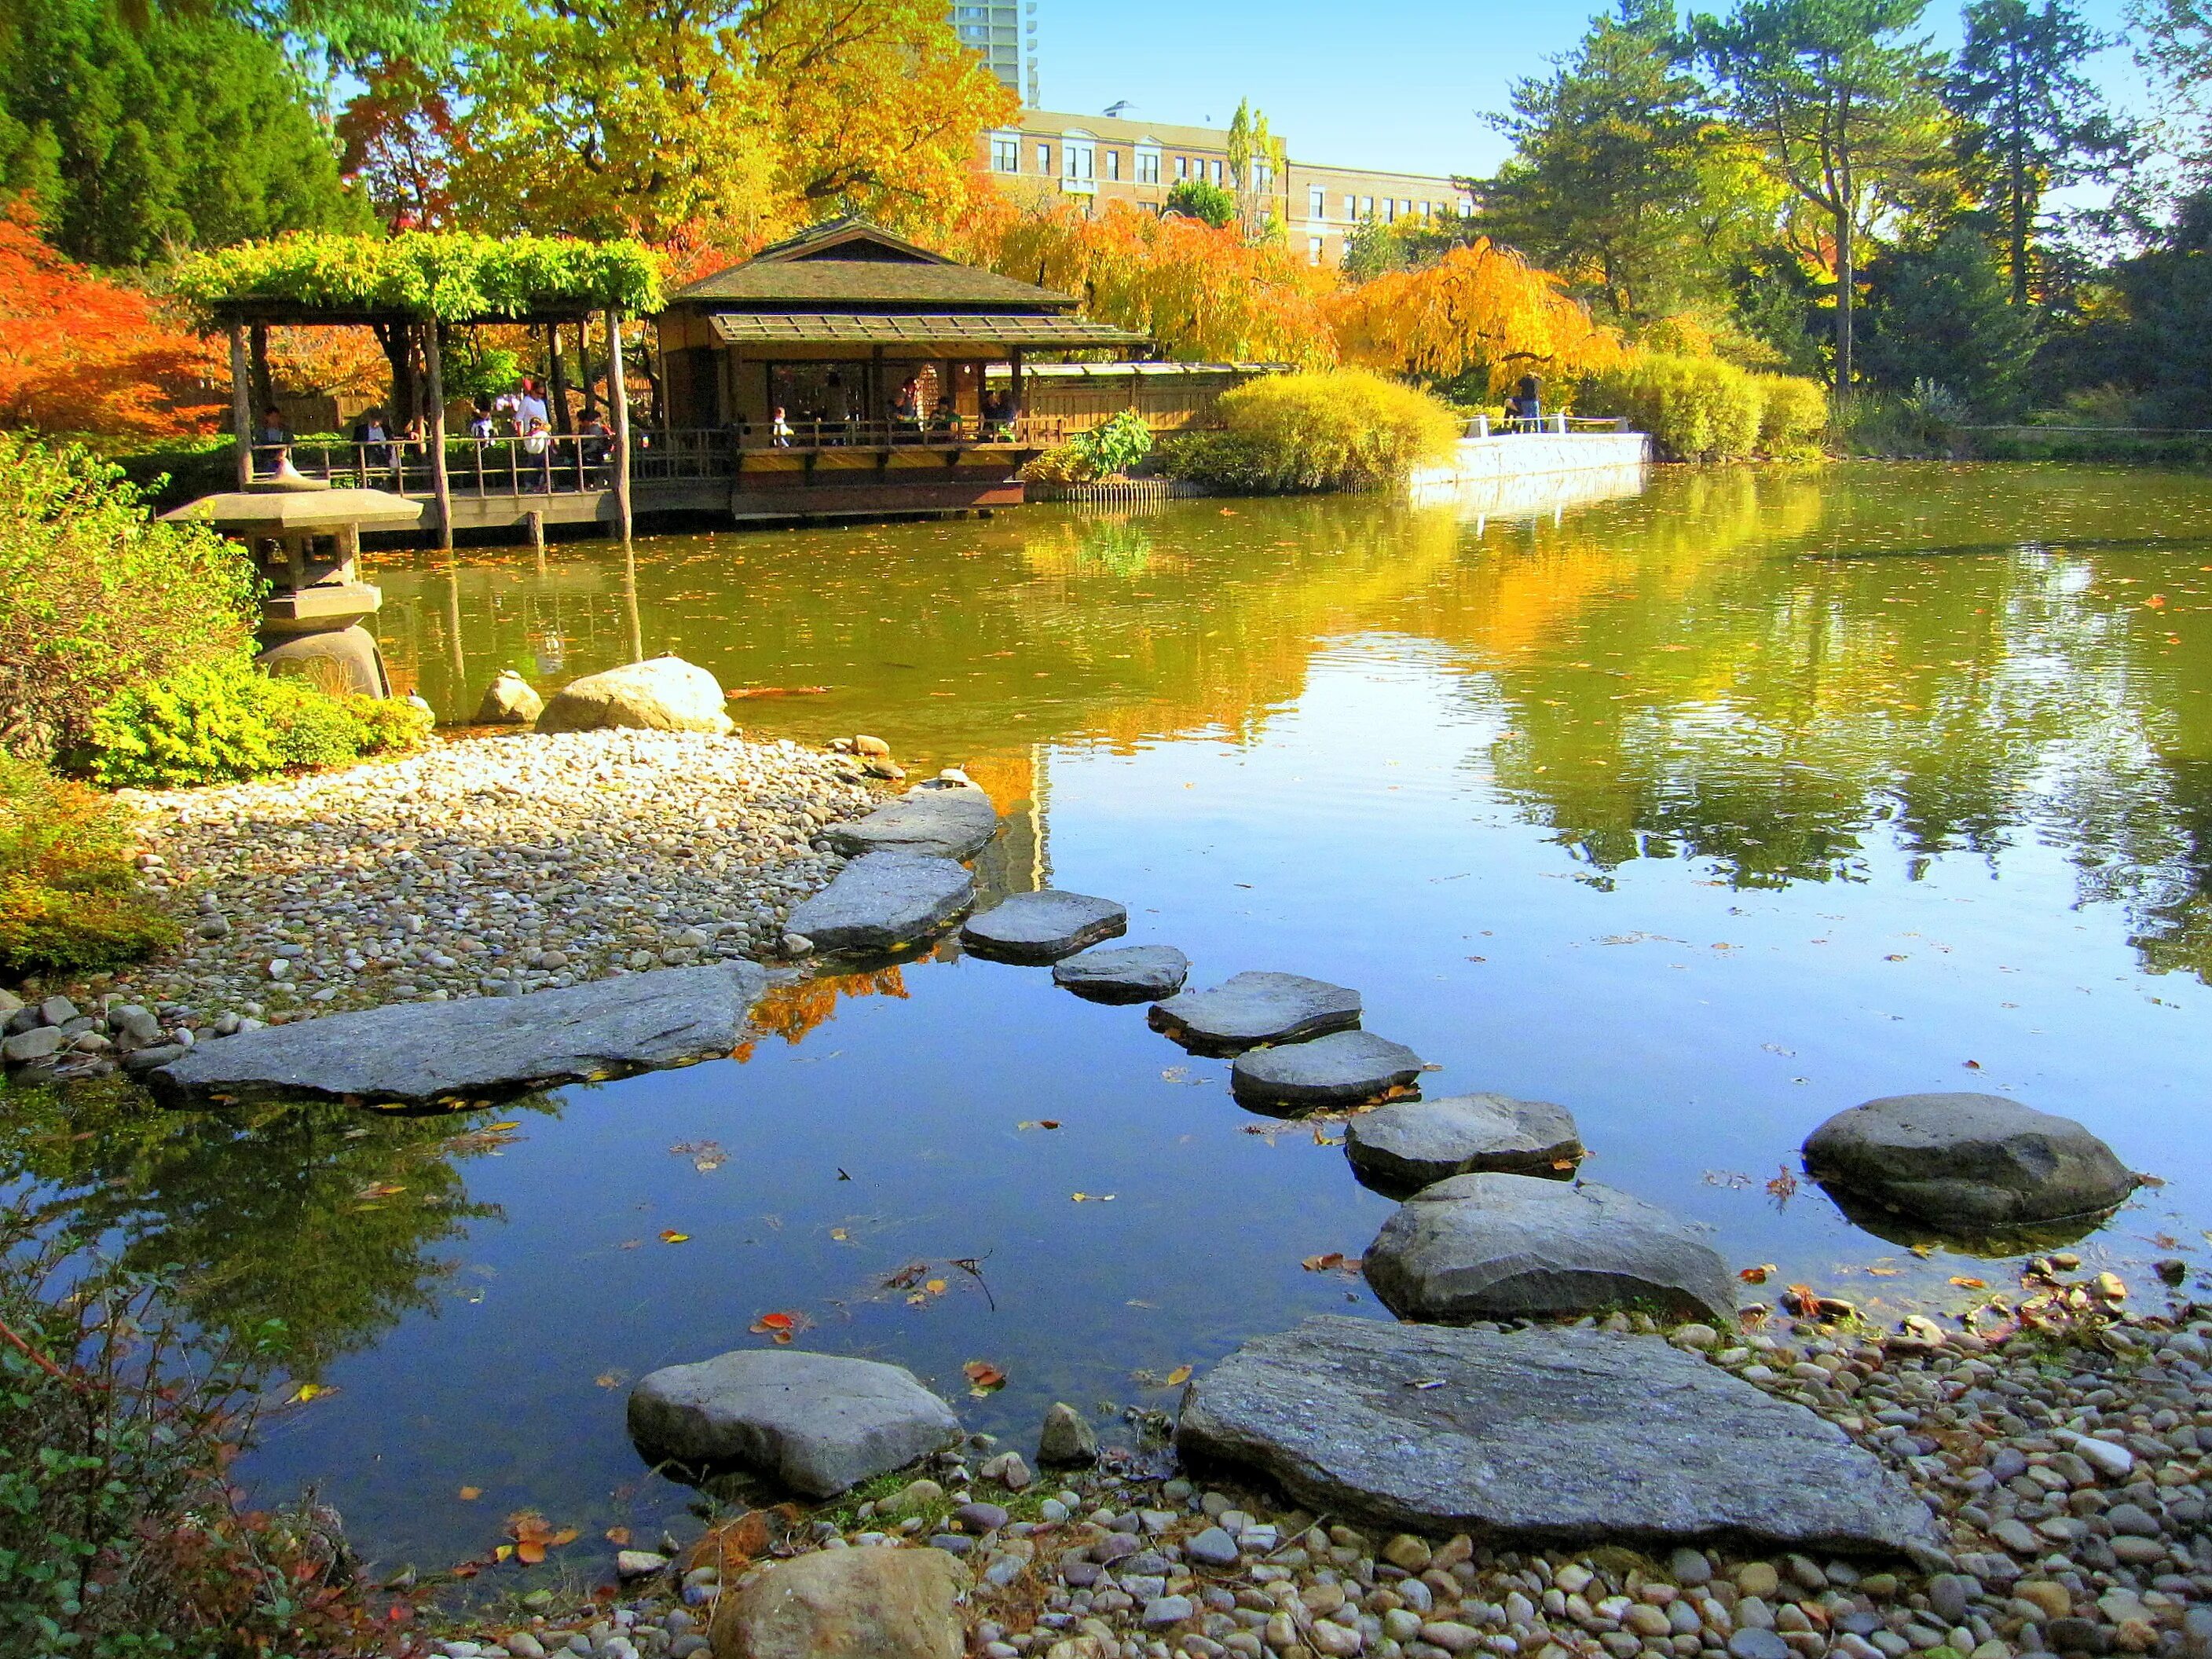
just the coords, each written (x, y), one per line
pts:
(396, 340)
(557, 372)
(264, 385)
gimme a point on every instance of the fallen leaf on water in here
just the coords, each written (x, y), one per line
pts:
(307, 1391)
(1965, 1283)
(1971, 1064)
(983, 1376)
(935, 1287)
(618, 1536)
(506, 1552)
(1924, 1251)
(1885, 1272)
(1894, 958)
(1563, 1164)
(1038, 1123)
(381, 1190)
(840, 1235)
(1178, 1376)
(1426, 1383)
(611, 1379)
(907, 1277)
(502, 1128)
(670, 1235)
(470, 1494)
(1313, 1264)
(1755, 1275)
(777, 1325)
(533, 1537)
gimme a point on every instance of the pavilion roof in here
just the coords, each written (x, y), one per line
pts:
(851, 262)
(922, 328)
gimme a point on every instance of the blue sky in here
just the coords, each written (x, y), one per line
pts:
(1379, 83)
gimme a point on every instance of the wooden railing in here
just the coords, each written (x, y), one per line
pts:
(1481, 426)
(571, 464)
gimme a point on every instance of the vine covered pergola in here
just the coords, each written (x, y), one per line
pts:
(421, 283)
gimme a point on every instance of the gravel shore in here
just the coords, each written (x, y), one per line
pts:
(2071, 1468)
(483, 866)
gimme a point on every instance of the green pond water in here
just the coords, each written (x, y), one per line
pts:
(1705, 810)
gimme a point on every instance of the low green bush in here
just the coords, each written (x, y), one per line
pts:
(1114, 445)
(1344, 429)
(1792, 417)
(226, 721)
(96, 597)
(1062, 465)
(69, 899)
(1228, 462)
(1706, 408)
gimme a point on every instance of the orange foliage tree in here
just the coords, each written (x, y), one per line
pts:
(85, 356)
(1479, 307)
(1204, 294)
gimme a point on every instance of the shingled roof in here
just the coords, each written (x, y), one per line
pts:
(851, 264)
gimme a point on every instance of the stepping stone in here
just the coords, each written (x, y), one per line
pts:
(883, 902)
(846, 1604)
(816, 1422)
(1553, 1436)
(1505, 1246)
(421, 1052)
(1124, 973)
(1247, 1009)
(1967, 1163)
(940, 818)
(1405, 1147)
(1345, 1068)
(1042, 927)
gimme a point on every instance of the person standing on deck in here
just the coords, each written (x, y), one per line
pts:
(836, 407)
(272, 441)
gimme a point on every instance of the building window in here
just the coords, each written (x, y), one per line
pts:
(1148, 165)
(1389, 210)
(1182, 168)
(1217, 171)
(1316, 203)
(1351, 207)
(1313, 250)
(1044, 158)
(1367, 207)
(1112, 164)
(1078, 162)
(1006, 153)
(1263, 178)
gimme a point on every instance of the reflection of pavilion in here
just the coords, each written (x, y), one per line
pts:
(1020, 860)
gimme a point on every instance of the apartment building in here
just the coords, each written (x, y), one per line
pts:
(1004, 33)
(1095, 159)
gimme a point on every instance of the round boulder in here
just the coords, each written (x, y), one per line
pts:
(1408, 1146)
(846, 1604)
(509, 701)
(1345, 1068)
(1967, 1163)
(1506, 1246)
(665, 694)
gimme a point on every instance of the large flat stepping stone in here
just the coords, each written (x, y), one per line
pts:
(1551, 1436)
(1246, 1009)
(816, 1422)
(1124, 973)
(420, 1052)
(1344, 1068)
(883, 902)
(941, 818)
(1505, 1246)
(1968, 1162)
(1408, 1146)
(1043, 927)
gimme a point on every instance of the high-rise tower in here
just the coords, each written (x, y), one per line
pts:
(1004, 32)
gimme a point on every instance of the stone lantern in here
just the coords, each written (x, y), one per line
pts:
(304, 539)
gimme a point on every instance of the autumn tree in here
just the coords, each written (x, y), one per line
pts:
(1843, 106)
(1257, 165)
(1480, 309)
(84, 356)
(2032, 112)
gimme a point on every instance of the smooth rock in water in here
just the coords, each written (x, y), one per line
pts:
(883, 902)
(665, 694)
(818, 1423)
(846, 1604)
(639, 1563)
(1123, 973)
(1502, 1246)
(509, 701)
(1408, 1146)
(1968, 1160)
(1069, 1436)
(1558, 1436)
(1042, 927)
(1344, 1068)
(940, 818)
(426, 1051)
(1247, 1009)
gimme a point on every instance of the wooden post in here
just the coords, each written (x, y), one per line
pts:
(264, 383)
(1014, 391)
(441, 486)
(534, 522)
(557, 372)
(620, 399)
(241, 407)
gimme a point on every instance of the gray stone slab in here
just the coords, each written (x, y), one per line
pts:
(1248, 1009)
(1501, 1246)
(1043, 927)
(1964, 1162)
(816, 1422)
(1408, 1146)
(941, 818)
(1344, 1068)
(1124, 973)
(883, 902)
(419, 1052)
(1547, 1435)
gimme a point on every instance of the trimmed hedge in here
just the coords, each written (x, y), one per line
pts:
(1704, 409)
(453, 275)
(1344, 429)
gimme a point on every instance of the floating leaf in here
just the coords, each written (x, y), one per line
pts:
(502, 1128)
(1038, 1123)
(1755, 1275)
(840, 1235)
(1965, 1283)
(1315, 1264)
(611, 1379)
(307, 1391)
(470, 1494)
(1884, 1272)
(1425, 1382)
(1178, 1376)
(982, 1377)
(780, 1326)
(907, 1277)
(670, 1235)
(618, 1536)
(935, 1287)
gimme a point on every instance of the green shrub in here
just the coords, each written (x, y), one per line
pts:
(95, 597)
(226, 721)
(1345, 429)
(68, 897)
(1227, 462)
(1792, 417)
(1696, 409)
(1062, 466)
(1201, 198)
(1114, 445)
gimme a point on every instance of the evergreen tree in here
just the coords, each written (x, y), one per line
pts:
(1940, 312)
(186, 130)
(2031, 113)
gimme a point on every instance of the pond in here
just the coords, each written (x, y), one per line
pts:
(1706, 812)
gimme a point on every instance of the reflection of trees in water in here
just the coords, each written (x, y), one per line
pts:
(791, 1010)
(1110, 546)
(322, 1216)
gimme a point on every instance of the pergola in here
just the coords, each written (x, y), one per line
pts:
(424, 283)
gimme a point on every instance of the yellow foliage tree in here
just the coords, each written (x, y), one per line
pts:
(1479, 307)
(1206, 294)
